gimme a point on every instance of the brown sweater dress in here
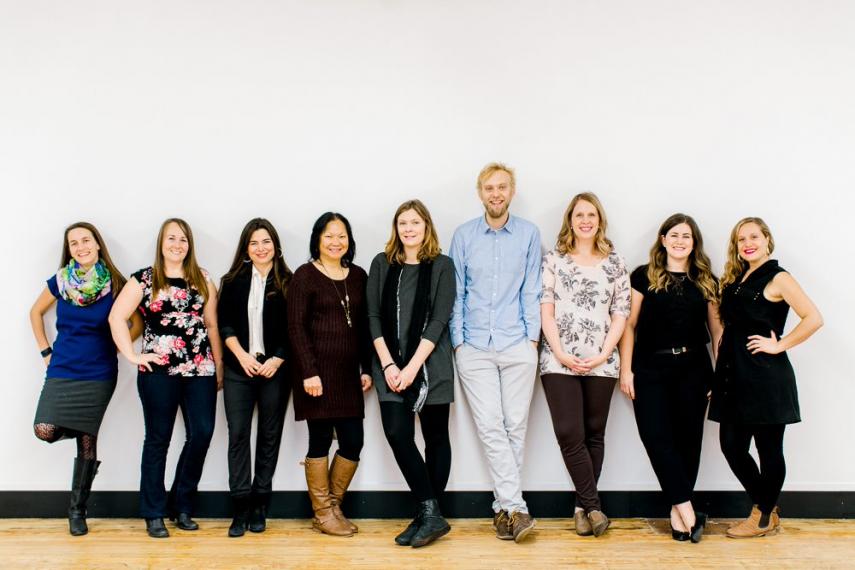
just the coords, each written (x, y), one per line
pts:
(322, 344)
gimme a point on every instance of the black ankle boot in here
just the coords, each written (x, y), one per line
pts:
(258, 514)
(155, 528)
(241, 512)
(432, 526)
(698, 530)
(184, 522)
(81, 485)
(406, 537)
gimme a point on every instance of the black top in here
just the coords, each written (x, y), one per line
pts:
(753, 388)
(234, 320)
(439, 364)
(672, 318)
(175, 328)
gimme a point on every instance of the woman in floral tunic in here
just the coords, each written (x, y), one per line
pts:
(584, 306)
(178, 368)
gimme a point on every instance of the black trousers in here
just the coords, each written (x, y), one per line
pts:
(242, 395)
(579, 406)
(426, 477)
(762, 483)
(670, 407)
(348, 431)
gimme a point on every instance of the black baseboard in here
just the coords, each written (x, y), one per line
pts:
(455, 504)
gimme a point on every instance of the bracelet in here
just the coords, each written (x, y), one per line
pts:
(388, 365)
(46, 352)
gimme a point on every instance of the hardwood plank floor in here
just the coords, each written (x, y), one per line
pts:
(630, 543)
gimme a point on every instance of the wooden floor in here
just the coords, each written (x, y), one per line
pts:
(630, 543)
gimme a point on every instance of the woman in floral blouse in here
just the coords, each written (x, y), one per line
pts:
(584, 307)
(179, 367)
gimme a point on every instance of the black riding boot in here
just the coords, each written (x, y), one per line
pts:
(81, 485)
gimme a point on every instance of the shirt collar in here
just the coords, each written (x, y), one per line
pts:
(509, 226)
(256, 274)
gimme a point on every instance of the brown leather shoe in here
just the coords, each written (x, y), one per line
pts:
(599, 522)
(755, 511)
(521, 525)
(750, 527)
(502, 524)
(341, 474)
(317, 481)
(583, 525)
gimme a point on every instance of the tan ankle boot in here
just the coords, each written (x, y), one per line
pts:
(317, 480)
(750, 527)
(755, 511)
(341, 473)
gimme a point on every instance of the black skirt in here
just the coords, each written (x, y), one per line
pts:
(74, 404)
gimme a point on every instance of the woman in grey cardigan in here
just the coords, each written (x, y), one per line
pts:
(410, 295)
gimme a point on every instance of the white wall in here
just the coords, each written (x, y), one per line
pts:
(124, 113)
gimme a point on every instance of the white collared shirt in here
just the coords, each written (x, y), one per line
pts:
(254, 310)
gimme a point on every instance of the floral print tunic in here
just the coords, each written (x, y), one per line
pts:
(585, 299)
(175, 328)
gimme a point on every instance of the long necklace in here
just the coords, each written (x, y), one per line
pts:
(345, 303)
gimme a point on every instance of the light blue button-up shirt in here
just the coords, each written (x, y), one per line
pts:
(498, 284)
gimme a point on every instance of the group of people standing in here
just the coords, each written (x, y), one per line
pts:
(495, 309)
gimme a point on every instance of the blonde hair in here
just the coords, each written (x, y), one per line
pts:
(430, 246)
(566, 242)
(699, 269)
(735, 266)
(493, 168)
(193, 274)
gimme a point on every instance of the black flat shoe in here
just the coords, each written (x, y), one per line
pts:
(698, 530)
(680, 535)
(155, 528)
(184, 522)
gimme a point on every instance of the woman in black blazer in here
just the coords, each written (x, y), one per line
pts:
(252, 319)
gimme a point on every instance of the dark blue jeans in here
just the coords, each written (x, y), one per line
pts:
(161, 397)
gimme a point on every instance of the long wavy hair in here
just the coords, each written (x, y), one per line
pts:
(193, 274)
(735, 266)
(430, 246)
(241, 264)
(699, 268)
(566, 242)
(117, 280)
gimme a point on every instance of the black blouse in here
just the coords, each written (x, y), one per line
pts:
(672, 318)
(234, 321)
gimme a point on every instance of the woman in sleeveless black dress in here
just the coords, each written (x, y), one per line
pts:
(754, 395)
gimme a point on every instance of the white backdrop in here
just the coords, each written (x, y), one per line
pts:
(126, 113)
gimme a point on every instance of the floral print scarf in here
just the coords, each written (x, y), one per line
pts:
(83, 287)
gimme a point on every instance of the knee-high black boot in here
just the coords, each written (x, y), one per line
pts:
(81, 484)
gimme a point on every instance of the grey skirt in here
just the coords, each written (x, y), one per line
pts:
(74, 404)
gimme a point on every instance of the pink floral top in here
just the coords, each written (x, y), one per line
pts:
(175, 328)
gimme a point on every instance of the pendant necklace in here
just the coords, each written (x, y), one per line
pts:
(345, 303)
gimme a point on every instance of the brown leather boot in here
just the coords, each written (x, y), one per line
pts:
(750, 527)
(755, 510)
(341, 473)
(317, 480)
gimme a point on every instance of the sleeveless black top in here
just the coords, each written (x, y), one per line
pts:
(753, 388)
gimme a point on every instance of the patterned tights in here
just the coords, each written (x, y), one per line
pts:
(87, 443)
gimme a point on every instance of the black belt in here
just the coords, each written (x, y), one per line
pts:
(677, 350)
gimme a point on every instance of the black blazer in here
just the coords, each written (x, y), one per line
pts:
(233, 319)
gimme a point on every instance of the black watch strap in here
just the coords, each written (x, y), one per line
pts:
(46, 352)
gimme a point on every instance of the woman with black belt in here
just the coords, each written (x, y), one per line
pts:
(179, 367)
(411, 291)
(754, 394)
(674, 312)
(331, 348)
(81, 364)
(252, 319)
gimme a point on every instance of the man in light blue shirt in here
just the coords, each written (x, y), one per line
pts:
(495, 327)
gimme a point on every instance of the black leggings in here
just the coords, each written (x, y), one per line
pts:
(347, 430)
(87, 443)
(426, 477)
(763, 484)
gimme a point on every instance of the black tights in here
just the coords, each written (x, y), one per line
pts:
(87, 443)
(426, 477)
(763, 484)
(348, 431)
